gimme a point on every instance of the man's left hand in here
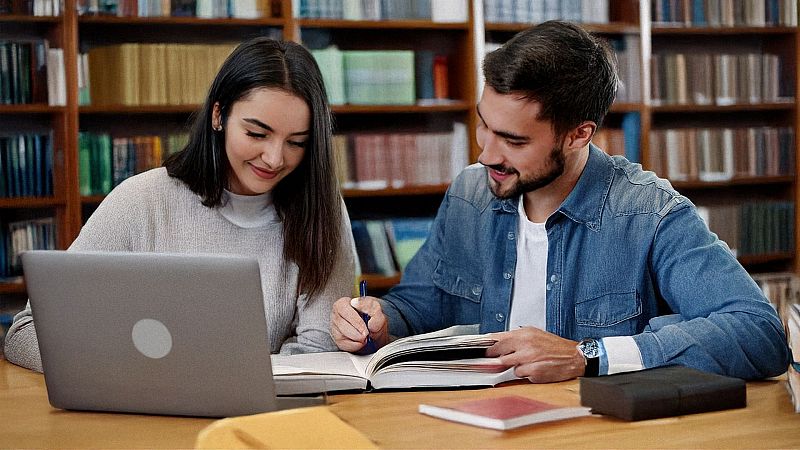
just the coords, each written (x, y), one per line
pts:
(540, 356)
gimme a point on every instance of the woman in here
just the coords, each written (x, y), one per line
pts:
(256, 179)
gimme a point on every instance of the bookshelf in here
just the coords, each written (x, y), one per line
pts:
(629, 22)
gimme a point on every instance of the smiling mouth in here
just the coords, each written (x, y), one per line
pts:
(264, 173)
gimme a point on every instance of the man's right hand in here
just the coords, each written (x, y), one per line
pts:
(348, 328)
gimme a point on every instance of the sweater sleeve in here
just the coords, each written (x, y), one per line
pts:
(312, 317)
(107, 229)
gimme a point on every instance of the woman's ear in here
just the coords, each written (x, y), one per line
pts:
(581, 135)
(216, 117)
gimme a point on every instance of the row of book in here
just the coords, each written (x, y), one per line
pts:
(31, 72)
(26, 165)
(721, 154)
(396, 160)
(105, 161)
(783, 291)
(724, 13)
(753, 228)
(152, 74)
(536, 11)
(623, 141)
(702, 78)
(208, 9)
(384, 247)
(376, 77)
(434, 10)
(31, 7)
(628, 52)
(20, 236)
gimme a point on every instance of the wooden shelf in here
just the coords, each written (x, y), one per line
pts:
(380, 282)
(783, 106)
(754, 181)
(12, 287)
(436, 189)
(749, 260)
(409, 25)
(29, 18)
(92, 199)
(626, 107)
(714, 31)
(31, 108)
(180, 21)
(600, 28)
(31, 202)
(455, 105)
(138, 109)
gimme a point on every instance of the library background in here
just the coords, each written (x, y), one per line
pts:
(94, 91)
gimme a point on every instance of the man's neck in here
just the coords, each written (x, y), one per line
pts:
(543, 202)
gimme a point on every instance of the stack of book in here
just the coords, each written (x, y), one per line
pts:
(434, 10)
(536, 11)
(754, 228)
(26, 165)
(385, 247)
(724, 13)
(31, 72)
(20, 236)
(105, 162)
(31, 7)
(720, 154)
(783, 291)
(208, 9)
(397, 160)
(703, 78)
(153, 74)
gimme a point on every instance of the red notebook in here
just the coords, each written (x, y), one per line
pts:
(502, 413)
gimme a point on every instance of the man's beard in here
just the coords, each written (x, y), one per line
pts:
(523, 185)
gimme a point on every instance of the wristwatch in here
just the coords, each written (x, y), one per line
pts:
(590, 349)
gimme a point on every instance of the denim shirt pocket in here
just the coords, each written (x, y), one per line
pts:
(457, 282)
(609, 314)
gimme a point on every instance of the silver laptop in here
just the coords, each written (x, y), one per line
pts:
(152, 333)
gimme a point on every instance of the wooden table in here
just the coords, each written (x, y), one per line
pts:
(390, 419)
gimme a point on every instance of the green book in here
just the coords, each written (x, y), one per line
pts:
(331, 64)
(84, 163)
(104, 168)
(379, 77)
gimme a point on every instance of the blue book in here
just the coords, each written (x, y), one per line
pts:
(38, 175)
(48, 164)
(3, 168)
(630, 129)
(406, 236)
(366, 255)
(698, 13)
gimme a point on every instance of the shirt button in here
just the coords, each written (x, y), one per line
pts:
(507, 276)
(510, 236)
(554, 278)
(549, 286)
(499, 317)
(476, 290)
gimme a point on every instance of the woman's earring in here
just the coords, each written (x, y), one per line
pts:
(217, 128)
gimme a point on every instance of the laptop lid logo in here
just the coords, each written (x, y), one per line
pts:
(151, 338)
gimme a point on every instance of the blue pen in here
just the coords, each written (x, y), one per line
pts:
(369, 347)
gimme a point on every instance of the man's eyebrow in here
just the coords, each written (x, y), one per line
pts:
(261, 124)
(504, 134)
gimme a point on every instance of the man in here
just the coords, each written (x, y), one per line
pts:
(580, 263)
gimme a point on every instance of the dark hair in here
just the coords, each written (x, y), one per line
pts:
(308, 200)
(571, 73)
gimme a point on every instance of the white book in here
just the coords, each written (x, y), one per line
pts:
(459, 153)
(446, 358)
(56, 80)
(449, 11)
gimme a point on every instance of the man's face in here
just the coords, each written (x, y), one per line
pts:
(520, 152)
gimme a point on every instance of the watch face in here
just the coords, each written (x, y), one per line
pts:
(589, 348)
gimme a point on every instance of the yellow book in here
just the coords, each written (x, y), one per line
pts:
(315, 427)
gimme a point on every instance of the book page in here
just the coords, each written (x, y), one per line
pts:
(315, 372)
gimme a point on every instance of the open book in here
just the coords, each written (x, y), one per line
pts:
(447, 358)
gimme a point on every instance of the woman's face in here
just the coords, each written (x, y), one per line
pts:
(265, 139)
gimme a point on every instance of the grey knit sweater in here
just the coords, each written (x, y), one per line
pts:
(152, 212)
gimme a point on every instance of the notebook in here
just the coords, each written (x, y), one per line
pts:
(153, 333)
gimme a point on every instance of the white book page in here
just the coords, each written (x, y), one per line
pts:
(325, 363)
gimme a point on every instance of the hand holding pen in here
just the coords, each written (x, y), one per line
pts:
(370, 346)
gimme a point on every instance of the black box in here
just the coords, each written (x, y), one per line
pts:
(662, 392)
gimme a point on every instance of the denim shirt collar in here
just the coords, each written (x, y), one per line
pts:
(585, 203)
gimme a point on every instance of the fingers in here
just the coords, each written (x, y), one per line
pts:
(348, 329)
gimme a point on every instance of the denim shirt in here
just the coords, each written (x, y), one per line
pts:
(627, 256)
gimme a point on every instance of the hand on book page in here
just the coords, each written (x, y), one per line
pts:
(447, 358)
(502, 413)
(540, 356)
(348, 327)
